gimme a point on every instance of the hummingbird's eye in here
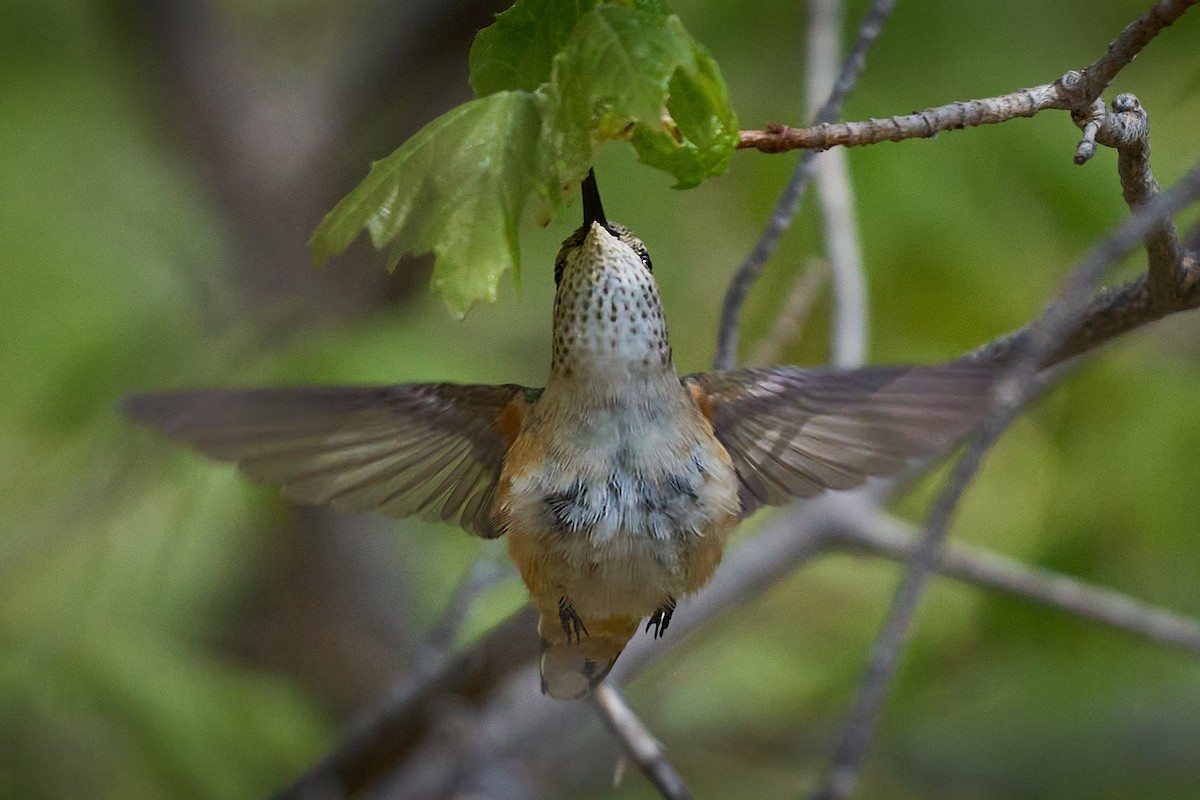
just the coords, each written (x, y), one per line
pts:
(641, 251)
(635, 244)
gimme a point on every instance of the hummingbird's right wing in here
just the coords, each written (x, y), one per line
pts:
(794, 432)
(433, 450)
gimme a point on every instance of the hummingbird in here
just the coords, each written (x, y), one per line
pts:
(617, 483)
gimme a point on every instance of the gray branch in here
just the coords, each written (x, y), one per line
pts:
(1075, 90)
(835, 198)
(872, 533)
(639, 745)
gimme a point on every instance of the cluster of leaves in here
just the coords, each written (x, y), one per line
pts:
(554, 82)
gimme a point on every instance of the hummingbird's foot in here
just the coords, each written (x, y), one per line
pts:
(661, 619)
(572, 625)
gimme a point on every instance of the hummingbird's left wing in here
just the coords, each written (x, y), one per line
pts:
(433, 450)
(794, 432)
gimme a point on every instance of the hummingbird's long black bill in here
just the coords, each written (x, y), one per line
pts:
(593, 211)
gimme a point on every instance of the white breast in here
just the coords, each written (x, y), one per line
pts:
(625, 494)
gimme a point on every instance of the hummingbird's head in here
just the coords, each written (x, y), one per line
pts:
(608, 318)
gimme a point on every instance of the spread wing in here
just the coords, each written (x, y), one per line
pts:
(433, 450)
(794, 432)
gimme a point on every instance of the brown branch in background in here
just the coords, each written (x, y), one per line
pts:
(1125, 48)
(638, 744)
(789, 201)
(1075, 90)
(1112, 312)
(1011, 394)
(482, 574)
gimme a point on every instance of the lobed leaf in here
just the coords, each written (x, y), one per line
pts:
(556, 79)
(457, 188)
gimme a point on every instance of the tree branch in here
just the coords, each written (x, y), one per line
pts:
(1171, 282)
(870, 532)
(1074, 90)
(638, 744)
(1130, 135)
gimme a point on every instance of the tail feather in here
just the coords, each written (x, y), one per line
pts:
(572, 667)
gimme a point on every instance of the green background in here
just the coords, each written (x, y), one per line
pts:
(169, 631)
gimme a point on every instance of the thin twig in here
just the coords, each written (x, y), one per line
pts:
(638, 743)
(1125, 48)
(791, 318)
(873, 533)
(1170, 283)
(1011, 394)
(1075, 90)
(835, 198)
(789, 201)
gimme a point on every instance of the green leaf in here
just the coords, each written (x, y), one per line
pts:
(625, 74)
(706, 132)
(517, 50)
(457, 188)
(557, 79)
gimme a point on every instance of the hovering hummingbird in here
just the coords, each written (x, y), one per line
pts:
(617, 483)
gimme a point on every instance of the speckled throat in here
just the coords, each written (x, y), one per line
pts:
(608, 318)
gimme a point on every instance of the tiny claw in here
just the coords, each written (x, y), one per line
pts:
(572, 625)
(661, 619)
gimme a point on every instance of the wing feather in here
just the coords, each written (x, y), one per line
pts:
(793, 432)
(434, 450)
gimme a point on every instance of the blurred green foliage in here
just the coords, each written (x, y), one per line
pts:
(167, 631)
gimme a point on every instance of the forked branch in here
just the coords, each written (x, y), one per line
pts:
(1074, 91)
